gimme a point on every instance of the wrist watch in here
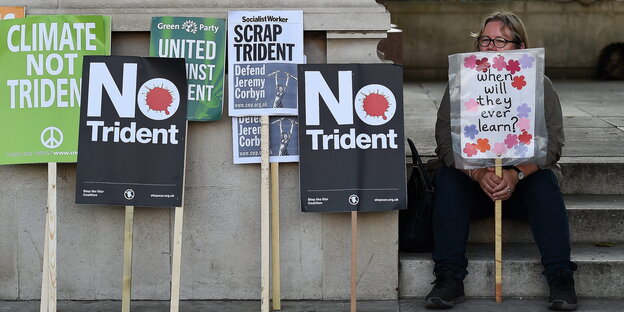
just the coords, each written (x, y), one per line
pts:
(517, 170)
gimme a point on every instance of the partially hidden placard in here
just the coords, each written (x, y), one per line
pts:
(201, 42)
(283, 139)
(11, 12)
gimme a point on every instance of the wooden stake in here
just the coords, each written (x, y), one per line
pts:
(275, 236)
(264, 215)
(45, 278)
(48, 279)
(353, 261)
(498, 249)
(177, 259)
(127, 272)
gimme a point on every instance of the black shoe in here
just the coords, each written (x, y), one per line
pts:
(562, 292)
(447, 291)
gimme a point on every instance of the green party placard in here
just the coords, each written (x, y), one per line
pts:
(201, 42)
(40, 83)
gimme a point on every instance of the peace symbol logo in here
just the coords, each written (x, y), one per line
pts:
(51, 137)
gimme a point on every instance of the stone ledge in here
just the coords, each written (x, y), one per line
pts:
(420, 7)
(315, 19)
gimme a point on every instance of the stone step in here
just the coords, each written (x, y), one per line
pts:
(593, 219)
(516, 305)
(592, 175)
(600, 271)
(581, 175)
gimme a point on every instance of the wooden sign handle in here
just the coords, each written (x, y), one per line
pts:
(498, 229)
(45, 277)
(275, 236)
(48, 278)
(353, 261)
(176, 259)
(127, 271)
(264, 214)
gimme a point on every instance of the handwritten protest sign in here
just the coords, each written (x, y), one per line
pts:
(498, 99)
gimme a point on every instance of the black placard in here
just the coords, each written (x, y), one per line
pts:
(352, 152)
(132, 131)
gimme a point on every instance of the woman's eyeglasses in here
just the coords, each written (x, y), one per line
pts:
(499, 42)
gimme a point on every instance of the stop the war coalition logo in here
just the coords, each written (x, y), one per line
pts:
(132, 132)
(352, 155)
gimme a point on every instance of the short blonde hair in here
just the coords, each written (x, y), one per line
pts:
(510, 21)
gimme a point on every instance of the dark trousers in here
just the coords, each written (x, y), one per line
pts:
(537, 198)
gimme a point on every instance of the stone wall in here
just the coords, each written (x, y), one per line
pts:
(572, 33)
(221, 237)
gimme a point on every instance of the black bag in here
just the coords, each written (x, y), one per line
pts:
(415, 223)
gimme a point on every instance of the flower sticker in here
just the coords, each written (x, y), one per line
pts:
(471, 131)
(499, 149)
(513, 66)
(520, 150)
(525, 137)
(470, 62)
(499, 63)
(483, 145)
(511, 140)
(472, 105)
(483, 64)
(526, 61)
(523, 123)
(470, 149)
(518, 82)
(524, 110)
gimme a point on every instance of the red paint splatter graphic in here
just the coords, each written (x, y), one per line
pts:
(159, 99)
(376, 105)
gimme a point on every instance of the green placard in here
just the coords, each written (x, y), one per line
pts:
(40, 81)
(201, 41)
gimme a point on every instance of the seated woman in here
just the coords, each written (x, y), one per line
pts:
(527, 191)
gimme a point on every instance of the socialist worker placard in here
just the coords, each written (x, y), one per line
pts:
(264, 48)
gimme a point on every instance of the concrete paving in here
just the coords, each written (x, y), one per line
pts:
(405, 305)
